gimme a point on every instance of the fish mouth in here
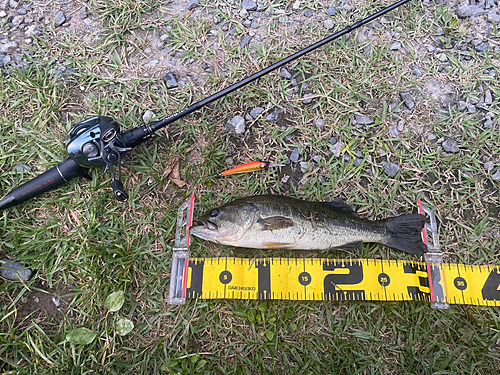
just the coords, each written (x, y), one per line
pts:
(207, 224)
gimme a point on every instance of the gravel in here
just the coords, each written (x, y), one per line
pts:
(408, 100)
(496, 176)
(450, 146)
(236, 125)
(256, 112)
(14, 271)
(331, 11)
(391, 169)
(319, 123)
(59, 18)
(294, 156)
(170, 80)
(249, 5)
(364, 120)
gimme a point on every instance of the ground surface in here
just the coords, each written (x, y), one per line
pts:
(402, 109)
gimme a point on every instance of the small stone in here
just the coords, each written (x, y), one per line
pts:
(171, 81)
(496, 176)
(319, 123)
(9, 46)
(364, 120)
(391, 169)
(308, 14)
(272, 117)
(243, 13)
(13, 4)
(21, 11)
(59, 18)
(14, 271)
(431, 48)
(393, 131)
(331, 11)
(417, 71)
(83, 12)
(22, 168)
(249, 5)
(2, 14)
(395, 46)
(304, 166)
(488, 98)
(56, 301)
(307, 98)
(297, 5)
(285, 73)
(148, 116)
(482, 48)
(239, 124)
(256, 112)
(17, 20)
(245, 41)
(471, 108)
(408, 100)
(193, 4)
(333, 141)
(450, 146)
(294, 156)
(431, 136)
(328, 24)
(493, 17)
(442, 57)
(488, 166)
(336, 149)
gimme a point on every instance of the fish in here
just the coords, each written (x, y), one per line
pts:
(283, 222)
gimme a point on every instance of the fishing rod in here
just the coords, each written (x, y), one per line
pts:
(98, 141)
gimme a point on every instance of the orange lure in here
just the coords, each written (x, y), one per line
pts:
(247, 167)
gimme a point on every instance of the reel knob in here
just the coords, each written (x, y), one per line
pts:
(119, 192)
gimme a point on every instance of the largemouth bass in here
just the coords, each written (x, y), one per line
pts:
(280, 222)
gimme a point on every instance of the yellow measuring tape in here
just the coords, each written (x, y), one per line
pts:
(341, 279)
(318, 279)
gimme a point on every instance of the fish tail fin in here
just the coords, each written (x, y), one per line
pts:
(405, 233)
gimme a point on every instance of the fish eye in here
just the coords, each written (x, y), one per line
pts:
(214, 213)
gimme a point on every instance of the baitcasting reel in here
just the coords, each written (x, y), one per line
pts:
(97, 142)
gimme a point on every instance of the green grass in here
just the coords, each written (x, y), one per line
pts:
(83, 245)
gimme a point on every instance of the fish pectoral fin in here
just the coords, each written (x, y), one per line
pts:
(275, 222)
(348, 246)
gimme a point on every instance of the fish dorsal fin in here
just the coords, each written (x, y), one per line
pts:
(339, 205)
(275, 222)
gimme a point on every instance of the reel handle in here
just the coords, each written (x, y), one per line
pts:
(51, 179)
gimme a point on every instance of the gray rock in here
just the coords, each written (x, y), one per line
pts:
(331, 11)
(304, 166)
(249, 5)
(245, 41)
(171, 81)
(307, 98)
(417, 71)
(22, 11)
(319, 123)
(493, 17)
(450, 146)
(328, 24)
(148, 116)
(17, 20)
(336, 149)
(395, 107)
(488, 98)
(256, 112)
(364, 120)
(294, 156)
(193, 4)
(395, 46)
(471, 108)
(22, 168)
(393, 131)
(488, 166)
(482, 48)
(285, 73)
(308, 14)
(14, 271)
(4, 4)
(391, 169)
(466, 10)
(488, 124)
(13, 4)
(59, 18)
(239, 124)
(83, 12)
(7, 47)
(408, 100)
(272, 117)
(496, 176)
(296, 5)
(333, 141)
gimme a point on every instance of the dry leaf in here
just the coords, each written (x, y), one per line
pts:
(172, 171)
